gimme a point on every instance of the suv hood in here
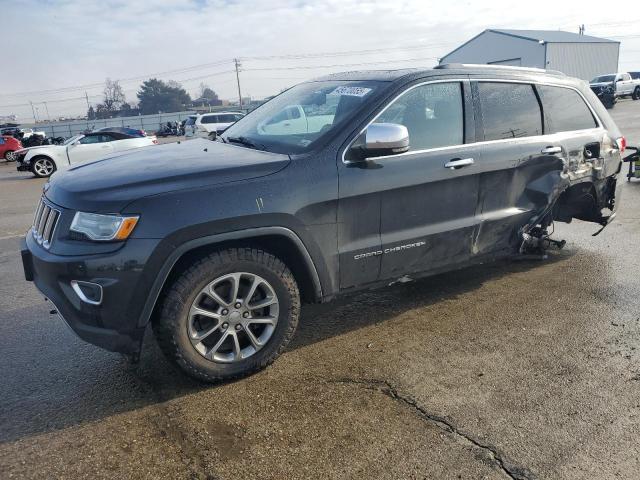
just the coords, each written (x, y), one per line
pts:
(109, 184)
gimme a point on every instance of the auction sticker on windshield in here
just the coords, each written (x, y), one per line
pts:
(351, 91)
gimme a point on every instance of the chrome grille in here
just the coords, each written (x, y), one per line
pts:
(44, 223)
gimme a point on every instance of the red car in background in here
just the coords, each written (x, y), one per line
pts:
(8, 145)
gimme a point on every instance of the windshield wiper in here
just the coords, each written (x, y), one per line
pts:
(246, 142)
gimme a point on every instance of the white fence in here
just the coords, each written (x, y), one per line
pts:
(149, 123)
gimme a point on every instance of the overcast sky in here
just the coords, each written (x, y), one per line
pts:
(55, 44)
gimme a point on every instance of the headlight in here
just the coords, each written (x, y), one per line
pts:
(104, 227)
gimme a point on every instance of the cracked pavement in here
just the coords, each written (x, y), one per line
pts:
(522, 370)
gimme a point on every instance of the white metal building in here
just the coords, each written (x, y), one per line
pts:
(576, 55)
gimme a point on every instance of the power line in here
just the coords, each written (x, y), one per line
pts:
(225, 62)
(346, 53)
(70, 99)
(122, 80)
(312, 67)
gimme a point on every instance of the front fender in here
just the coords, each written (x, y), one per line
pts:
(58, 158)
(162, 273)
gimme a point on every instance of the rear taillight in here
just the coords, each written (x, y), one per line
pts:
(622, 144)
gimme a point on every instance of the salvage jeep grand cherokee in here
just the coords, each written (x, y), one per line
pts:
(347, 182)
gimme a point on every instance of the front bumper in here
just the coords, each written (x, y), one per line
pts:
(111, 323)
(23, 166)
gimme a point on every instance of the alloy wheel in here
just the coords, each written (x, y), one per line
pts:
(233, 317)
(43, 167)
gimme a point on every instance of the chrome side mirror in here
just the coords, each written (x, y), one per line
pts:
(386, 139)
(378, 140)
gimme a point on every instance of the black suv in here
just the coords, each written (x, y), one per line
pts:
(348, 182)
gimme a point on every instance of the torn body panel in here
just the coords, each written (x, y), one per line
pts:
(559, 177)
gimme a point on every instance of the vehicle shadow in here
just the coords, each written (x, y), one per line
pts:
(107, 385)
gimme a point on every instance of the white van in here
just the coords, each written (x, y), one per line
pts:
(203, 125)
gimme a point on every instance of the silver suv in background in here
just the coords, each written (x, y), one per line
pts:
(205, 124)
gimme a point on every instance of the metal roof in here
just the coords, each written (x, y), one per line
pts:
(551, 36)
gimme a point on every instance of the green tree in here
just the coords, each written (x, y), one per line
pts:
(91, 113)
(156, 96)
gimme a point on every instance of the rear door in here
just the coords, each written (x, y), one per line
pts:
(517, 167)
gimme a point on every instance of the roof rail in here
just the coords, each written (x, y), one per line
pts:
(447, 66)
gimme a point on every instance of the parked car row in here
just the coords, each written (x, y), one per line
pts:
(44, 160)
(206, 124)
(19, 132)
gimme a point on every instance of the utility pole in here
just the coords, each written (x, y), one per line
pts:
(47, 109)
(238, 65)
(581, 29)
(33, 111)
(86, 95)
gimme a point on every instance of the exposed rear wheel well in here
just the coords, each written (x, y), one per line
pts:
(578, 201)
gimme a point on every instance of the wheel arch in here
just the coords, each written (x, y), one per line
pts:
(37, 156)
(579, 201)
(280, 241)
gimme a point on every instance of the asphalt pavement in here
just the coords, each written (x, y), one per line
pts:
(524, 370)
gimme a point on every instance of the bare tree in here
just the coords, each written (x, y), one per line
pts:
(113, 95)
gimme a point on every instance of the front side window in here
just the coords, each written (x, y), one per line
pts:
(296, 119)
(565, 110)
(509, 110)
(433, 114)
(91, 139)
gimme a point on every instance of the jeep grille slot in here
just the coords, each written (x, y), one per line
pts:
(44, 224)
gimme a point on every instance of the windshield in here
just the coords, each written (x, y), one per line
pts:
(73, 139)
(294, 120)
(190, 120)
(603, 79)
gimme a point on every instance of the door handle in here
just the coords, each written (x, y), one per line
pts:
(551, 150)
(458, 163)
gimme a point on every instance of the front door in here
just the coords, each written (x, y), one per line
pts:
(428, 203)
(89, 148)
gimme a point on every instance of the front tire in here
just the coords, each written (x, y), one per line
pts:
(43, 167)
(229, 314)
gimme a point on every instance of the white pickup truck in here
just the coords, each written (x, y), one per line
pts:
(622, 82)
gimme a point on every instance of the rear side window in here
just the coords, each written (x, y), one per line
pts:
(565, 110)
(209, 119)
(190, 121)
(433, 114)
(227, 118)
(509, 110)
